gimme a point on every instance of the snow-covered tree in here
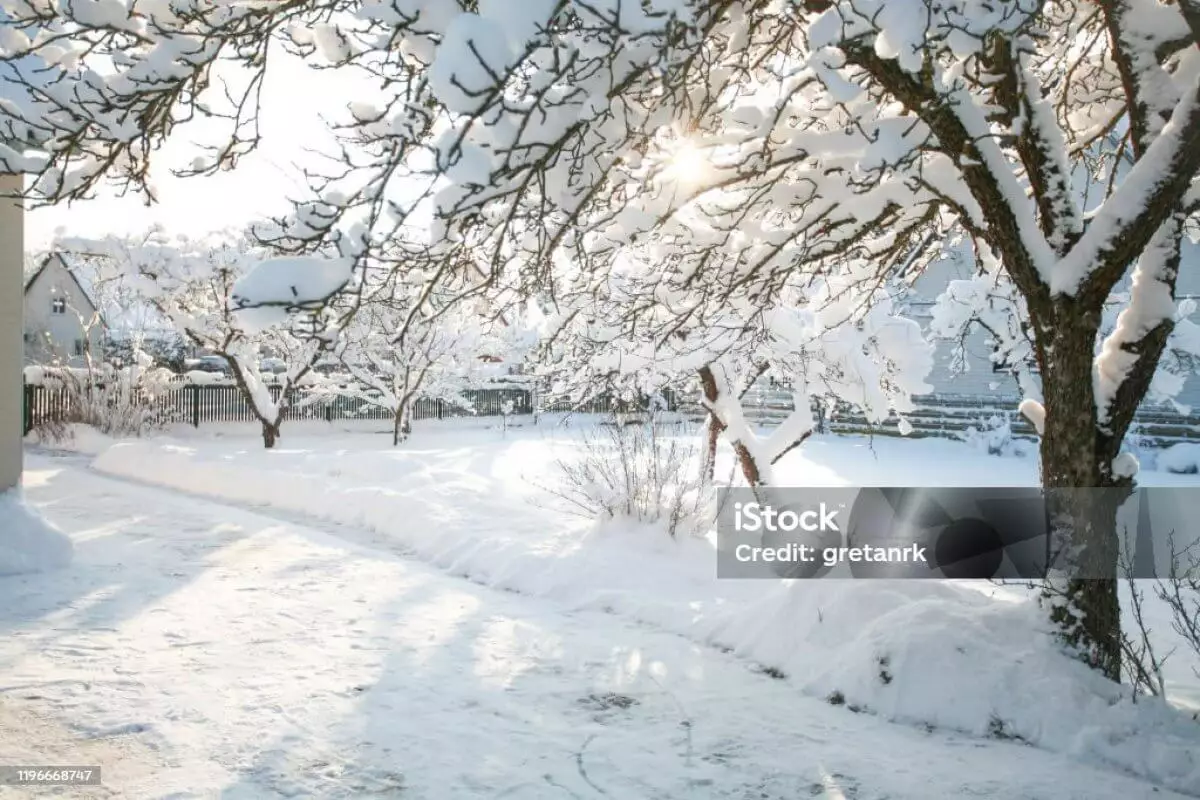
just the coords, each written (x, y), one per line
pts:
(393, 364)
(226, 299)
(755, 139)
(832, 342)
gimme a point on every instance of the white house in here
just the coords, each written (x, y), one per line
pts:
(62, 324)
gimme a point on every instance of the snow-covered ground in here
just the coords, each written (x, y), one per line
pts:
(472, 499)
(195, 649)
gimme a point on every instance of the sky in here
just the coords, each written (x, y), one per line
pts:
(294, 98)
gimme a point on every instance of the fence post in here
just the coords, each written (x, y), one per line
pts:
(27, 411)
(196, 406)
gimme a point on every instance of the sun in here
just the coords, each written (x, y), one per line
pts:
(687, 164)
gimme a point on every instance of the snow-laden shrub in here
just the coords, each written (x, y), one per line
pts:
(640, 469)
(995, 437)
(1182, 459)
(115, 400)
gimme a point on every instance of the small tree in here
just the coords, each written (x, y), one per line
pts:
(215, 296)
(393, 363)
(830, 342)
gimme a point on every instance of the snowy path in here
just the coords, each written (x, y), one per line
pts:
(197, 650)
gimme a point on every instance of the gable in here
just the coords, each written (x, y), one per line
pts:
(56, 271)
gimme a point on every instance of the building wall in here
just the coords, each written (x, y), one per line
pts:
(53, 337)
(12, 249)
(974, 375)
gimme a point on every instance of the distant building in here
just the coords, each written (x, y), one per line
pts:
(62, 323)
(965, 370)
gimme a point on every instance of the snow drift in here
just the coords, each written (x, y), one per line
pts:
(28, 543)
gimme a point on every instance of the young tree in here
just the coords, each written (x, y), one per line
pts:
(834, 342)
(754, 138)
(219, 297)
(393, 364)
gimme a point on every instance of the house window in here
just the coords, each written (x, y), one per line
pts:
(58, 306)
(79, 347)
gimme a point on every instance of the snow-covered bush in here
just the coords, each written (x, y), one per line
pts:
(1182, 459)
(638, 470)
(995, 436)
(122, 401)
(115, 400)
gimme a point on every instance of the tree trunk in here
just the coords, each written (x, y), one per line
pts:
(270, 434)
(712, 428)
(712, 432)
(712, 394)
(398, 425)
(402, 422)
(1083, 525)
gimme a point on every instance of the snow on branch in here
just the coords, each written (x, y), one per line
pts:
(277, 288)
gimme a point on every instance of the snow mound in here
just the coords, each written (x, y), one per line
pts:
(943, 655)
(28, 543)
(1182, 459)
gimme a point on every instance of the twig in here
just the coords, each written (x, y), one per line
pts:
(582, 770)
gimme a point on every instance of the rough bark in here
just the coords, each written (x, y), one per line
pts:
(746, 460)
(713, 427)
(1075, 456)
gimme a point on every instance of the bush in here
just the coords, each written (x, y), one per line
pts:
(1179, 592)
(995, 436)
(1181, 459)
(639, 468)
(117, 401)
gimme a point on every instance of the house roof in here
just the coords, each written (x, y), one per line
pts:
(62, 259)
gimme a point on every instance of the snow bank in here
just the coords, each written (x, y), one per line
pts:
(927, 653)
(29, 543)
(934, 654)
